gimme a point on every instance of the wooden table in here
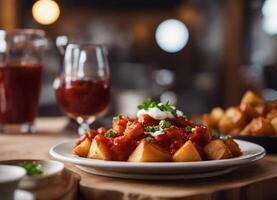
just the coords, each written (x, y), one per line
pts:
(257, 181)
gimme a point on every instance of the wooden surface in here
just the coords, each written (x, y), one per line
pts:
(257, 181)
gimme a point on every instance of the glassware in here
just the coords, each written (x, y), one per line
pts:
(83, 89)
(20, 78)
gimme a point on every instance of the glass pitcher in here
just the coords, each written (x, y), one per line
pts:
(20, 78)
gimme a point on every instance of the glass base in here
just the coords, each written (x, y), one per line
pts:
(17, 128)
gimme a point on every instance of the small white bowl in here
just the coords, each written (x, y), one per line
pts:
(50, 170)
(9, 179)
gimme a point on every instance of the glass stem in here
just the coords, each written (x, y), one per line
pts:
(83, 128)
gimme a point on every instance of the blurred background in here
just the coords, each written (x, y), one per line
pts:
(197, 54)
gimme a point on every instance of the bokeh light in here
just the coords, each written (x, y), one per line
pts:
(269, 22)
(269, 8)
(46, 11)
(172, 35)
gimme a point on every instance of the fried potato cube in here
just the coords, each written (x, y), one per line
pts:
(258, 127)
(271, 105)
(232, 119)
(212, 119)
(217, 113)
(261, 108)
(83, 148)
(148, 152)
(216, 150)
(234, 147)
(135, 130)
(187, 153)
(271, 114)
(119, 124)
(99, 150)
(274, 124)
(209, 121)
(251, 98)
(249, 111)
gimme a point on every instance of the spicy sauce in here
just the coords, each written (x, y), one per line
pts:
(19, 92)
(82, 98)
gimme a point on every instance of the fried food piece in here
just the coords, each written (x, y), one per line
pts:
(187, 153)
(249, 111)
(99, 150)
(272, 114)
(148, 152)
(217, 150)
(82, 149)
(120, 124)
(135, 130)
(271, 105)
(211, 120)
(251, 98)
(258, 127)
(234, 147)
(273, 122)
(231, 120)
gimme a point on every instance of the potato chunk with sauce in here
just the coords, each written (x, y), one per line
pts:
(82, 149)
(99, 150)
(148, 152)
(217, 150)
(187, 153)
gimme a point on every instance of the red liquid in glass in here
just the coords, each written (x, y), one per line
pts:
(19, 92)
(83, 98)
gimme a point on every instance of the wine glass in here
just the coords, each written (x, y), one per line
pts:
(82, 87)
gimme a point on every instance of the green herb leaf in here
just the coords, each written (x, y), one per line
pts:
(149, 139)
(152, 129)
(148, 103)
(166, 107)
(111, 134)
(32, 168)
(220, 136)
(188, 129)
(162, 125)
(165, 124)
(117, 117)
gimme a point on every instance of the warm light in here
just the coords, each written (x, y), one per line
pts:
(269, 25)
(172, 35)
(269, 8)
(269, 11)
(46, 11)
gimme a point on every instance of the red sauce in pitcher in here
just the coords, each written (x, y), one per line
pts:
(19, 92)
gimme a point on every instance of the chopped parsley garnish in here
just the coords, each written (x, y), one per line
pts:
(32, 168)
(149, 139)
(152, 129)
(129, 123)
(111, 134)
(117, 117)
(162, 125)
(148, 103)
(188, 129)
(165, 124)
(217, 135)
(166, 107)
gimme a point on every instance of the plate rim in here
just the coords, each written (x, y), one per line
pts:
(141, 176)
(162, 165)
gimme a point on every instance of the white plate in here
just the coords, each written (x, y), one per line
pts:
(251, 152)
(156, 176)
